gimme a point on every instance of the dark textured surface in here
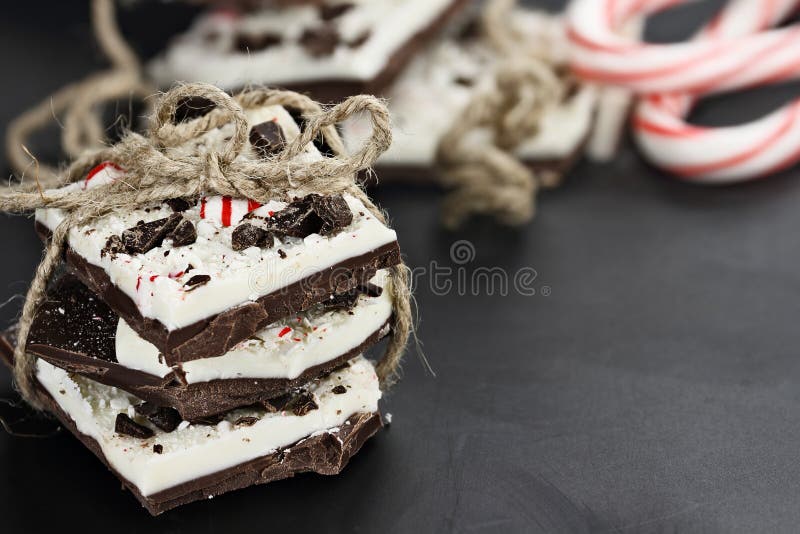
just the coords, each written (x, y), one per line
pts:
(657, 389)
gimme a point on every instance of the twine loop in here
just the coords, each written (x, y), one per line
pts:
(490, 179)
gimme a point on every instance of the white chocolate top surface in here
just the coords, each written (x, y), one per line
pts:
(207, 51)
(193, 451)
(155, 281)
(438, 86)
(285, 349)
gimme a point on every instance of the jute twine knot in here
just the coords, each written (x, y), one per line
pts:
(83, 128)
(156, 170)
(489, 178)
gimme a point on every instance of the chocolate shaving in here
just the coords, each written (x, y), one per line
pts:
(158, 448)
(191, 107)
(267, 138)
(255, 43)
(165, 418)
(303, 404)
(197, 281)
(320, 41)
(330, 12)
(128, 427)
(114, 246)
(281, 253)
(246, 421)
(339, 390)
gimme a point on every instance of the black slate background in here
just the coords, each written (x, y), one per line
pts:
(656, 388)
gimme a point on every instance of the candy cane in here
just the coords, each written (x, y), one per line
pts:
(226, 211)
(735, 50)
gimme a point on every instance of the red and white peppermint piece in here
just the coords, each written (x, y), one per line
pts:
(226, 211)
(102, 174)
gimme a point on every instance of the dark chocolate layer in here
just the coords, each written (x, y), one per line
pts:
(76, 331)
(218, 334)
(326, 454)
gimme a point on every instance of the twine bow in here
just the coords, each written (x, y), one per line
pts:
(490, 179)
(157, 171)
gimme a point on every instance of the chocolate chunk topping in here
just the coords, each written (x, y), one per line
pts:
(165, 418)
(255, 43)
(297, 219)
(158, 448)
(339, 390)
(246, 421)
(281, 253)
(183, 234)
(320, 41)
(128, 427)
(191, 107)
(114, 246)
(334, 212)
(312, 214)
(249, 235)
(303, 404)
(267, 138)
(330, 12)
(147, 236)
(197, 281)
(178, 205)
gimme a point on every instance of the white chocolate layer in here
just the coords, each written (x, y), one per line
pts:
(389, 24)
(285, 349)
(155, 282)
(437, 87)
(193, 451)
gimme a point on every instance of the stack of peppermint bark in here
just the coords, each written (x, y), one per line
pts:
(207, 344)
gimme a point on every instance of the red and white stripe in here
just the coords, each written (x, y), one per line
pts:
(737, 49)
(102, 174)
(226, 211)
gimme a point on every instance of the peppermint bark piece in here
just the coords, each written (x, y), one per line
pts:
(193, 462)
(435, 90)
(329, 51)
(182, 282)
(76, 331)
